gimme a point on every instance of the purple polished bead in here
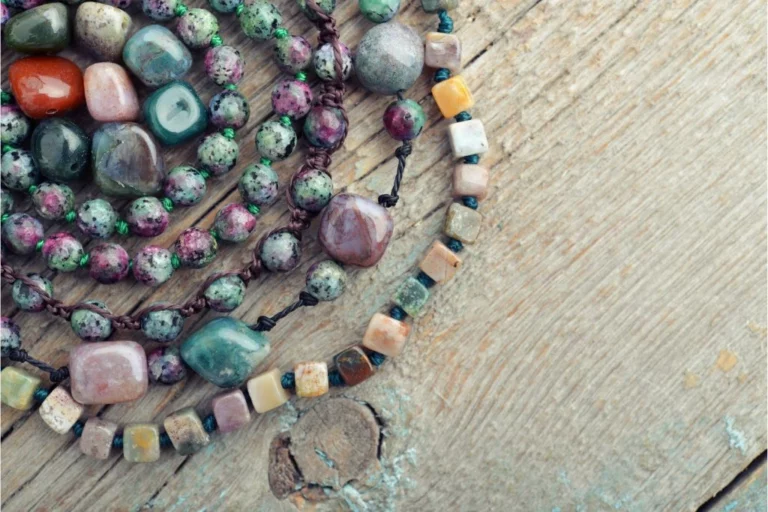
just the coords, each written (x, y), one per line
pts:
(234, 223)
(165, 365)
(292, 98)
(196, 248)
(153, 265)
(325, 127)
(224, 65)
(146, 217)
(293, 54)
(108, 263)
(355, 230)
(21, 233)
(404, 119)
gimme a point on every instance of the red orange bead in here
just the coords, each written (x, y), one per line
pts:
(46, 86)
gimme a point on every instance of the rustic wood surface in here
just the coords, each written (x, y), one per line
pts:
(604, 346)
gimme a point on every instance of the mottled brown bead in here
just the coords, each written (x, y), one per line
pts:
(353, 366)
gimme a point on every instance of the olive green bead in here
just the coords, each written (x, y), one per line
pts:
(260, 19)
(379, 11)
(326, 280)
(225, 293)
(412, 296)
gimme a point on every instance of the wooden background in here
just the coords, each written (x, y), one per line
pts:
(604, 347)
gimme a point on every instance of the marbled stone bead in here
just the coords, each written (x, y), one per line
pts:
(311, 190)
(46, 86)
(325, 127)
(109, 93)
(185, 186)
(404, 119)
(17, 388)
(62, 252)
(354, 366)
(165, 366)
(175, 113)
(325, 63)
(23, 5)
(224, 6)
(229, 109)
(159, 10)
(217, 154)
(10, 336)
(436, 5)
(462, 223)
(6, 202)
(156, 56)
(14, 125)
(389, 58)
(379, 11)
(96, 218)
(292, 98)
(60, 149)
(43, 29)
(163, 325)
(443, 51)
(153, 265)
(386, 335)
(141, 442)
(147, 217)
(470, 180)
(126, 161)
(412, 296)
(21, 233)
(27, 298)
(196, 248)
(326, 280)
(327, 6)
(260, 19)
(89, 325)
(452, 96)
(225, 293)
(19, 171)
(109, 263)
(196, 27)
(225, 351)
(234, 223)
(186, 431)
(311, 379)
(440, 263)
(102, 29)
(355, 230)
(275, 140)
(468, 138)
(97, 437)
(60, 411)
(108, 373)
(267, 392)
(281, 252)
(5, 14)
(53, 201)
(258, 185)
(293, 54)
(231, 411)
(224, 65)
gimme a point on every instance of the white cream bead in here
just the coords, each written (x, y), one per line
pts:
(468, 138)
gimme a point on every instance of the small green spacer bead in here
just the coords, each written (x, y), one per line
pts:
(7, 148)
(5, 217)
(71, 216)
(84, 259)
(121, 227)
(32, 189)
(231, 87)
(281, 33)
(5, 97)
(130, 264)
(175, 261)
(253, 209)
(167, 204)
(41, 394)
(266, 161)
(214, 233)
(216, 41)
(180, 10)
(39, 245)
(239, 10)
(301, 76)
(228, 133)
(205, 174)
(286, 121)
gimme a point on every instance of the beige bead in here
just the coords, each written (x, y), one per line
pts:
(97, 437)
(470, 180)
(386, 335)
(463, 223)
(443, 51)
(267, 392)
(186, 431)
(468, 138)
(141, 442)
(60, 411)
(17, 388)
(311, 379)
(440, 263)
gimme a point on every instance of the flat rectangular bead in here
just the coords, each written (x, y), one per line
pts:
(440, 263)
(436, 5)
(267, 392)
(386, 335)
(185, 428)
(353, 365)
(470, 180)
(443, 51)
(141, 442)
(311, 379)
(453, 96)
(108, 372)
(97, 437)
(60, 411)
(468, 138)
(17, 388)
(231, 411)
(463, 223)
(412, 296)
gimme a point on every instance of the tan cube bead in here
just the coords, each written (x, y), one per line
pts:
(60, 411)
(97, 437)
(267, 392)
(186, 431)
(386, 335)
(141, 442)
(311, 379)
(443, 51)
(440, 263)
(470, 180)
(463, 223)
(17, 388)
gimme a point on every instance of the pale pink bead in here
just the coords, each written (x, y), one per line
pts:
(109, 372)
(96, 440)
(109, 93)
(470, 180)
(231, 411)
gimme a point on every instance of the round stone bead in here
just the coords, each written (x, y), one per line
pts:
(153, 265)
(311, 190)
(325, 127)
(379, 11)
(224, 65)
(293, 54)
(258, 185)
(225, 293)
(21, 233)
(53, 201)
(196, 28)
(281, 252)
(6, 202)
(60, 149)
(102, 29)
(165, 366)
(229, 109)
(18, 170)
(163, 326)
(146, 217)
(327, 6)
(185, 186)
(196, 248)
(217, 154)
(260, 19)
(275, 140)
(23, 4)
(89, 325)
(326, 280)
(234, 223)
(109, 263)
(27, 298)
(292, 98)
(96, 218)
(14, 125)
(389, 58)
(224, 6)
(10, 336)
(159, 10)
(5, 14)
(324, 62)
(62, 252)
(404, 120)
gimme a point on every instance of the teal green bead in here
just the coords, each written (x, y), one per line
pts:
(258, 185)
(28, 299)
(174, 113)
(379, 11)
(14, 125)
(260, 19)
(89, 325)
(326, 280)
(6, 202)
(224, 6)
(217, 154)
(156, 56)
(275, 140)
(96, 218)
(18, 170)
(163, 326)
(53, 201)
(412, 296)
(44, 29)
(61, 149)
(185, 186)
(280, 252)
(225, 294)
(311, 190)
(197, 27)
(327, 6)
(225, 351)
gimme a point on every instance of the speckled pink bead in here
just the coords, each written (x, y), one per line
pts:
(53, 200)
(108, 263)
(24, 5)
(292, 98)
(224, 65)
(153, 265)
(196, 248)
(62, 252)
(325, 126)
(146, 217)
(293, 54)
(234, 223)
(21, 232)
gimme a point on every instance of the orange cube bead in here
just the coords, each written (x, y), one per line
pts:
(452, 96)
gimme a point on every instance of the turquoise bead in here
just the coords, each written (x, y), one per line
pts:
(412, 296)
(225, 294)
(60, 149)
(275, 140)
(225, 351)
(156, 56)
(217, 154)
(175, 113)
(379, 11)
(28, 299)
(163, 326)
(326, 280)
(89, 325)
(96, 218)
(260, 19)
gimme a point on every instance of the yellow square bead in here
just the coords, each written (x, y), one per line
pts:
(18, 387)
(452, 96)
(141, 442)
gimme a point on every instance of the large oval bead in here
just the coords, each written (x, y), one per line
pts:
(46, 86)
(156, 56)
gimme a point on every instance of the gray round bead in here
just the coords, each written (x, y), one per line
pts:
(326, 280)
(163, 326)
(225, 293)
(390, 58)
(275, 140)
(89, 325)
(258, 185)
(281, 252)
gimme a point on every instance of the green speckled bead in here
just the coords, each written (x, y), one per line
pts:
(89, 325)
(196, 28)
(327, 6)
(14, 125)
(175, 113)
(10, 336)
(436, 5)
(26, 298)
(326, 280)
(225, 293)
(379, 11)
(96, 218)
(21, 233)
(412, 296)
(185, 186)
(163, 326)
(311, 190)
(258, 185)
(53, 201)
(196, 248)
(293, 54)
(324, 62)
(160, 10)
(229, 109)
(153, 265)
(18, 170)
(217, 154)
(275, 141)
(224, 6)
(281, 252)
(147, 217)
(60, 149)
(6, 202)
(260, 19)
(62, 252)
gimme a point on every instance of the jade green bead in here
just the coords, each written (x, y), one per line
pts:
(174, 113)
(60, 149)
(225, 294)
(224, 6)
(217, 154)
(163, 326)
(412, 296)
(89, 325)
(379, 11)
(156, 56)
(260, 19)
(44, 29)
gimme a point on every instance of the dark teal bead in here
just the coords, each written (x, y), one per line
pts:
(60, 149)
(379, 11)
(175, 113)
(397, 313)
(471, 159)
(469, 202)
(424, 279)
(156, 56)
(376, 358)
(455, 245)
